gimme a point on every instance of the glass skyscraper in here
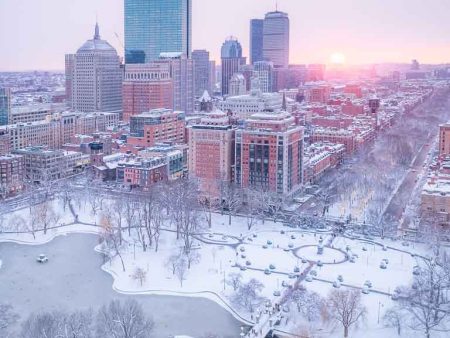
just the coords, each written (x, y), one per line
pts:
(5, 105)
(256, 40)
(157, 26)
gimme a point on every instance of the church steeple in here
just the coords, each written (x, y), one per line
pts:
(97, 32)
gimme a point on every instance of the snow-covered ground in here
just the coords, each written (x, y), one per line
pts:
(225, 249)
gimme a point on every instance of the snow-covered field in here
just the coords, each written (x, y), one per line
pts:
(225, 249)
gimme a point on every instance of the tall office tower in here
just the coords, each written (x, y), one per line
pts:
(153, 27)
(94, 76)
(264, 71)
(182, 74)
(5, 106)
(201, 72)
(256, 40)
(231, 56)
(212, 75)
(276, 39)
(146, 87)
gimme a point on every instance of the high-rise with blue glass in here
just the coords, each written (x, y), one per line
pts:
(157, 26)
(5, 105)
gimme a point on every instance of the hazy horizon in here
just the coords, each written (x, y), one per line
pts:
(39, 33)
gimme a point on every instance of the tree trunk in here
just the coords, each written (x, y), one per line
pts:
(229, 217)
(345, 331)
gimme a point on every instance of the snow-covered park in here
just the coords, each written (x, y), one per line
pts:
(270, 257)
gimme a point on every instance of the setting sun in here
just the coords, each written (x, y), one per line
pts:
(337, 58)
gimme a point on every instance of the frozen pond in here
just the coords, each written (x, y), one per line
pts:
(72, 279)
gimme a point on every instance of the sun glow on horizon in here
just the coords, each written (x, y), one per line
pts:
(337, 58)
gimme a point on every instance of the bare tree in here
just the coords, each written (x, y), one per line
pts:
(234, 280)
(181, 269)
(7, 319)
(140, 275)
(345, 307)
(394, 317)
(111, 237)
(427, 299)
(123, 320)
(42, 325)
(248, 295)
(58, 324)
(192, 257)
(45, 215)
(309, 304)
(230, 198)
(251, 207)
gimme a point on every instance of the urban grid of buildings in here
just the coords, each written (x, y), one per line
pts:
(168, 112)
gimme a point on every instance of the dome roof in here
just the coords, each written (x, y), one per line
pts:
(96, 44)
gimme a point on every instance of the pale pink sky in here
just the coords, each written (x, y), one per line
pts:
(35, 34)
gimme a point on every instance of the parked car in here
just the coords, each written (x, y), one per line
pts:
(340, 278)
(277, 293)
(319, 263)
(296, 269)
(336, 284)
(365, 290)
(368, 283)
(267, 272)
(313, 273)
(42, 258)
(309, 278)
(272, 267)
(243, 268)
(383, 265)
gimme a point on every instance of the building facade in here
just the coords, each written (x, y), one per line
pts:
(444, 139)
(256, 40)
(201, 72)
(238, 85)
(276, 39)
(182, 74)
(94, 77)
(264, 71)
(5, 106)
(11, 175)
(211, 151)
(153, 27)
(231, 57)
(42, 165)
(156, 126)
(146, 87)
(269, 153)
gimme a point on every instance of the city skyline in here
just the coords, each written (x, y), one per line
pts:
(39, 41)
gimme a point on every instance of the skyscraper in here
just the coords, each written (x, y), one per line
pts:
(264, 71)
(231, 56)
(94, 77)
(5, 106)
(153, 27)
(182, 74)
(276, 39)
(256, 40)
(201, 72)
